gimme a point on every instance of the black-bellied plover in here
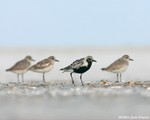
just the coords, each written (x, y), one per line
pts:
(119, 66)
(79, 66)
(21, 67)
(44, 66)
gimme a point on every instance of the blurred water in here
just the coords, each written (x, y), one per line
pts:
(57, 99)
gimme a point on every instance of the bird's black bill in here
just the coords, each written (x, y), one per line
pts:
(131, 59)
(94, 60)
(56, 60)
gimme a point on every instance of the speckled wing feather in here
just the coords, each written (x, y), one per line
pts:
(75, 65)
(42, 64)
(117, 64)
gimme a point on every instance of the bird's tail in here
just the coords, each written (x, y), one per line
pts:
(103, 69)
(62, 69)
(66, 69)
(31, 68)
(7, 70)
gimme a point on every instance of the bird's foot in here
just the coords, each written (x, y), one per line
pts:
(117, 81)
(74, 84)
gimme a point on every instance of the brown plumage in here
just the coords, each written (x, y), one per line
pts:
(44, 66)
(119, 66)
(21, 67)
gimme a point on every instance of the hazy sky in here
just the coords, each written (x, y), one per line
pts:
(74, 22)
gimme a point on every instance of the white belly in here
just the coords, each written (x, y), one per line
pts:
(19, 71)
(44, 70)
(120, 70)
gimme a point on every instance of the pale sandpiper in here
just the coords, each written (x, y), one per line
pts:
(79, 66)
(21, 67)
(44, 66)
(119, 66)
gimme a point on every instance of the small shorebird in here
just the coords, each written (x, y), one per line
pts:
(44, 66)
(79, 66)
(119, 66)
(21, 67)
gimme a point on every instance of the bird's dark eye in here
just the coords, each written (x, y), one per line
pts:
(89, 59)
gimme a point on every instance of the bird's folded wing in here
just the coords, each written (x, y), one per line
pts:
(78, 63)
(43, 64)
(21, 65)
(117, 64)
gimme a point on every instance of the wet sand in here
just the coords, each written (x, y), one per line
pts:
(59, 100)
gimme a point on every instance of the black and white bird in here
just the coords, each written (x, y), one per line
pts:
(79, 66)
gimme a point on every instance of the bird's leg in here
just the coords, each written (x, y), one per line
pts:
(72, 79)
(117, 77)
(81, 80)
(44, 77)
(120, 77)
(18, 78)
(22, 78)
